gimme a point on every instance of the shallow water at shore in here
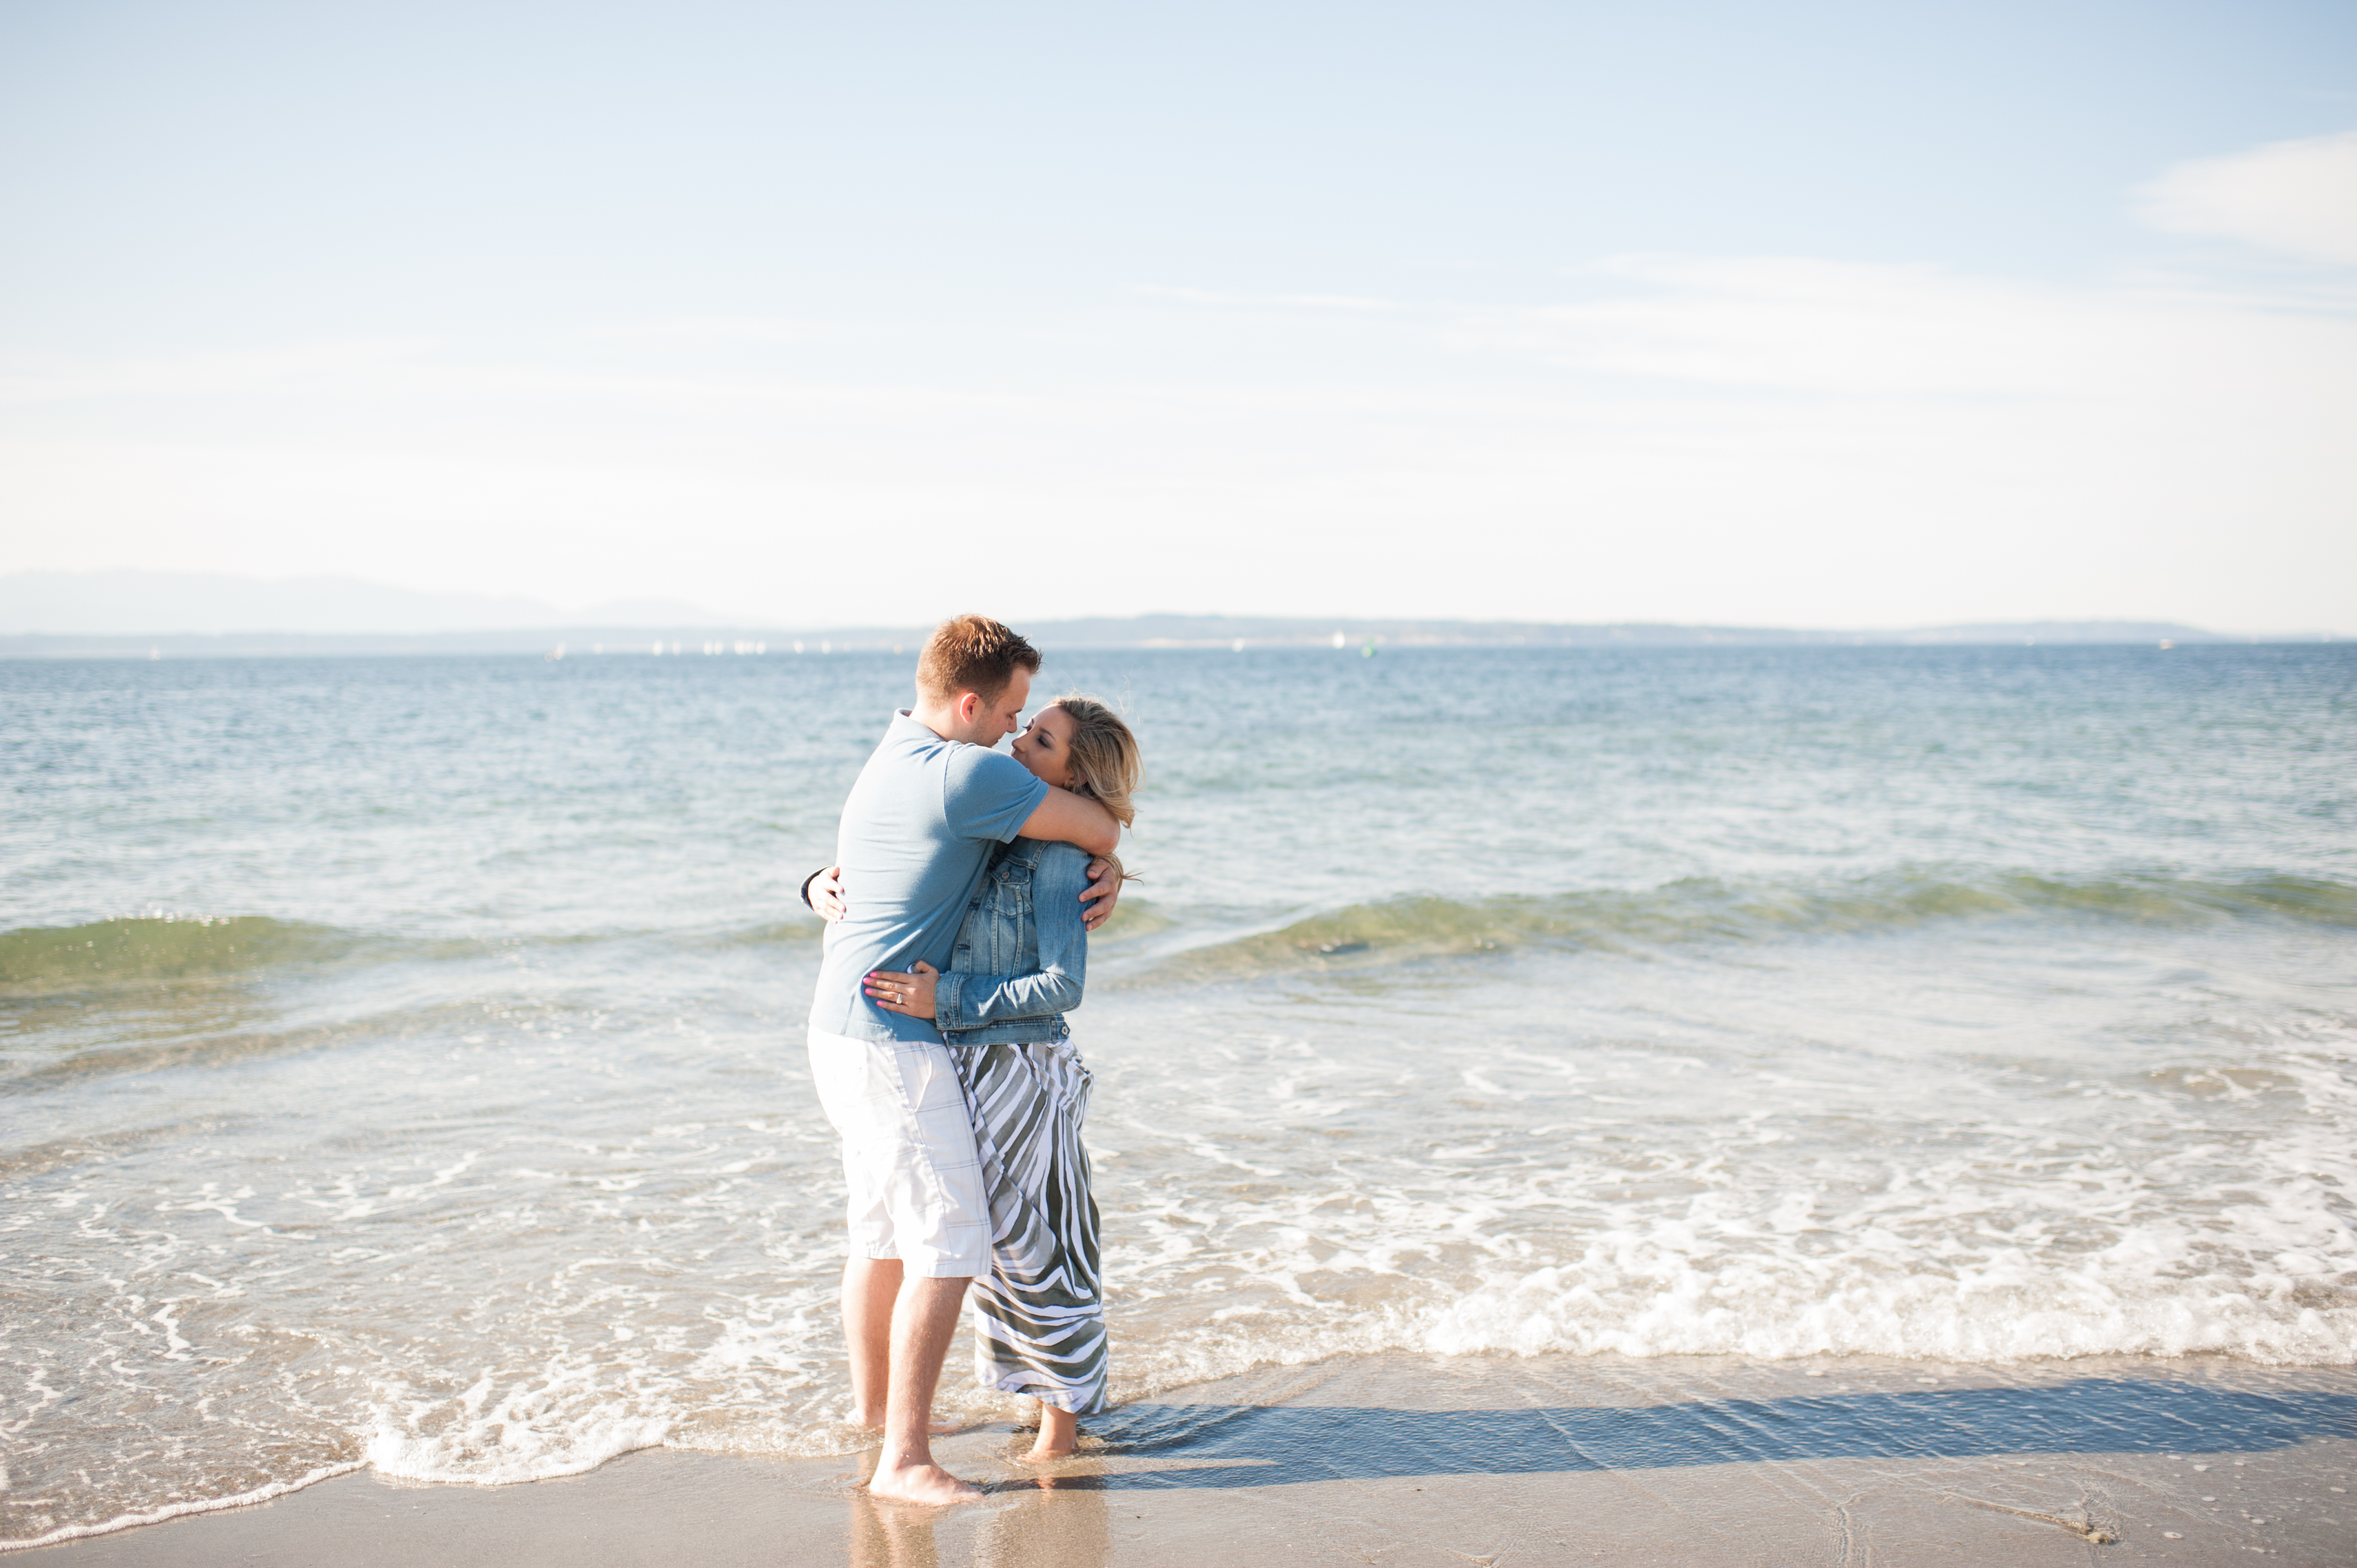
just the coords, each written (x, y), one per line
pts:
(1430, 1459)
(1963, 1005)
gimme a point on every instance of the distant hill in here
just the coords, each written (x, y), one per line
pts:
(183, 615)
(1208, 631)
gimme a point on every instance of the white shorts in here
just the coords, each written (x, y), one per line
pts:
(908, 1153)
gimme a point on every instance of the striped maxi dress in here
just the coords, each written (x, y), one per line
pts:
(1039, 1317)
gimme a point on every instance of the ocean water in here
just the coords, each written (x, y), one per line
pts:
(401, 1058)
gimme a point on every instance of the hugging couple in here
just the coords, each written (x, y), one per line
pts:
(958, 911)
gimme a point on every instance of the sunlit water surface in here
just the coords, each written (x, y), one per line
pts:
(402, 1058)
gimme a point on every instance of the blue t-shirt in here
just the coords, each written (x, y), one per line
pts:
(916, 838)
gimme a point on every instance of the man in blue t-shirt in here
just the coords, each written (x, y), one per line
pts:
(915, 842)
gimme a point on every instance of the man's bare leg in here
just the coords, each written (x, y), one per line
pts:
(924, 1318)
(870, 1287)
(1060, 1435)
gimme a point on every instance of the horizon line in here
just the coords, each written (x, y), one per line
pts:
(1156, 630)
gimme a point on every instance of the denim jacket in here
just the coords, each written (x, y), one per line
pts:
(1022, 954)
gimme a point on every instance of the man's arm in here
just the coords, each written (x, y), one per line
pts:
(1066, 818)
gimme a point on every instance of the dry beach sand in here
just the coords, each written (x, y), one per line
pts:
(1400, 1460)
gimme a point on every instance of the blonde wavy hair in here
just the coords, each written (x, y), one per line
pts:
(1106, 763)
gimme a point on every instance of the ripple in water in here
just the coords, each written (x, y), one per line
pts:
(1910, 1004)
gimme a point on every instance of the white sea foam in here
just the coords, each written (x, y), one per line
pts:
(499, 1452)
(1627, 1295)
(1648, 1201)
(157, 1515)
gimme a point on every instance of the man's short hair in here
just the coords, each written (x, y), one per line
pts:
(972, 654)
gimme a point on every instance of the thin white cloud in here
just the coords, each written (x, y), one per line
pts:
(765, 331)
(1794, 323)
(2294, 198)
(1282, 302)
(1842, 329)
(1771, 439)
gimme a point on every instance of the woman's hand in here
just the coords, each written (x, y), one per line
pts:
(1100, 895)
(910, 993)
(825, 893)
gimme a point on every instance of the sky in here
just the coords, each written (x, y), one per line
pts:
(1809, 315)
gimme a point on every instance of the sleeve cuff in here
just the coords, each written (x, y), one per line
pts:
(1014, 830)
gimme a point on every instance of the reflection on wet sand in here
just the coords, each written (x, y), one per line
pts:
(890, 1535)
(1047, 1518)
(1023, 1522)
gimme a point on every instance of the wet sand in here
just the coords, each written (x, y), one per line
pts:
(1427, 1460)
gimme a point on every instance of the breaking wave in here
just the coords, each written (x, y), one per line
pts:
(50, 960)
(1701, 909)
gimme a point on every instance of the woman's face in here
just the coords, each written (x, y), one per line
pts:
(1046, 748)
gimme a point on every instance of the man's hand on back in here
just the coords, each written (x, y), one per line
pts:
(1100, 895)
(823, 893)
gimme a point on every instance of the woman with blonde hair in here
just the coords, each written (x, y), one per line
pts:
(1020, 965)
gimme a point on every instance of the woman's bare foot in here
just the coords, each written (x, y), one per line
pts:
(1060, 1435)
(927, 1484)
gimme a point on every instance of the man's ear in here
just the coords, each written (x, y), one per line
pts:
(968, 704)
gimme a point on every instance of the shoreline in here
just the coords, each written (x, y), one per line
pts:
(1409, 1458)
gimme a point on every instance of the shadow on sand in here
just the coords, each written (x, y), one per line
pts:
(1281, 1445)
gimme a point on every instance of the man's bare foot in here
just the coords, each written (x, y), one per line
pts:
(1060, 1435)
(927, 1484)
